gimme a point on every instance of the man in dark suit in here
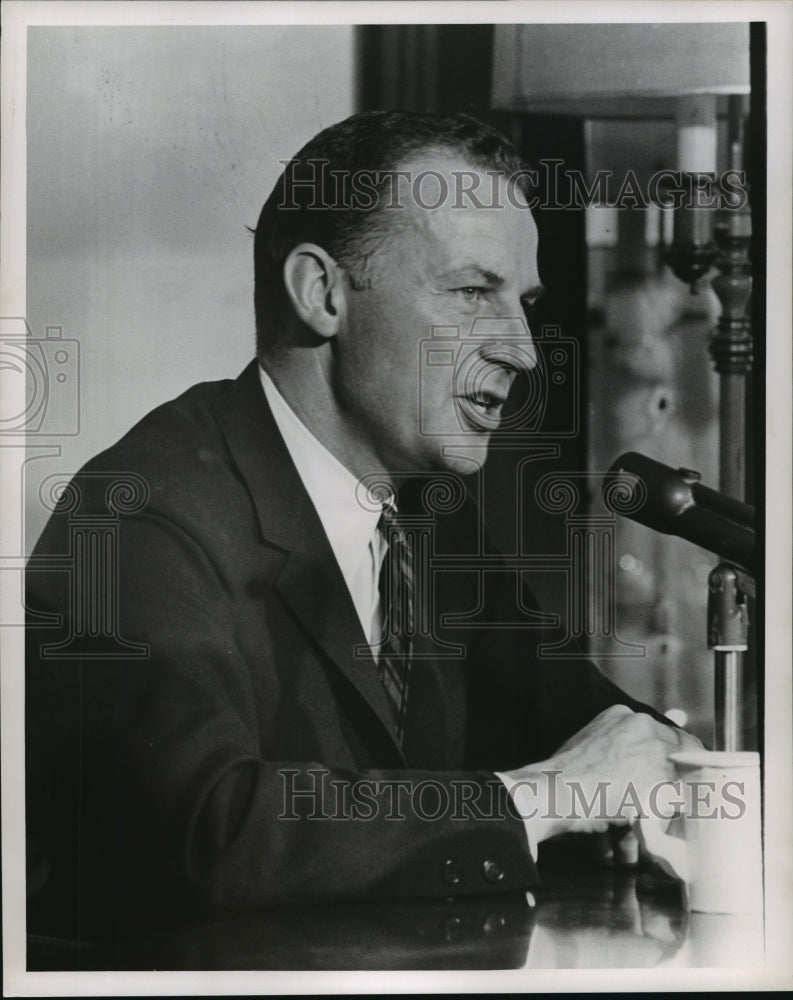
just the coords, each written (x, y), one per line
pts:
(226, 707)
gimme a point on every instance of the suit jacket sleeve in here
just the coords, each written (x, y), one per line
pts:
(152, 782)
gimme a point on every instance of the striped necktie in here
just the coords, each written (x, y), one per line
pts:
(397, 601)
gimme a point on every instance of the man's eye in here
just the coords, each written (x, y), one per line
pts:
(531, 308)
(471, 293)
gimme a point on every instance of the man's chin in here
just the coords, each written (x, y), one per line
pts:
(466, 456)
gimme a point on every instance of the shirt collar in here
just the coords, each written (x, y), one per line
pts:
(332, 488)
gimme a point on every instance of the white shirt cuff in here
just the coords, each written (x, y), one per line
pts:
(519, 794)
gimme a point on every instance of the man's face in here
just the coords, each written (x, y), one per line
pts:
(427, 355)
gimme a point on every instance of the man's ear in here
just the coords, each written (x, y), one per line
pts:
(316, 288)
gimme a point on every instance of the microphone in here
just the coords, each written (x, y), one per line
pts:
(674, 502)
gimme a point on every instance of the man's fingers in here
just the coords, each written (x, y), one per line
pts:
(670, 735)
(615, 711)
(688, 741)
(603, 724)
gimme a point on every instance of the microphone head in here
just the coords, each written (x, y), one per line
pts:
(674, 502)
(649, 492)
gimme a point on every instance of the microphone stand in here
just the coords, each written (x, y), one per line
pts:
(675, 502)
(691, 256)
(729, 589)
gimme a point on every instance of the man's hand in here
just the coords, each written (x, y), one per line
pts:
(605, 774)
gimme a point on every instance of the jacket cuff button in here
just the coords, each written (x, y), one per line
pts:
(492, 872)
(452, 872)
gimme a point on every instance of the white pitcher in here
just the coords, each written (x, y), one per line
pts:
(719, 858)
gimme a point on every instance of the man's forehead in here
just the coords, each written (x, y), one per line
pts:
(442, 202)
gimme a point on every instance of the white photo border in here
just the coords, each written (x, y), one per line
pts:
(778, 973)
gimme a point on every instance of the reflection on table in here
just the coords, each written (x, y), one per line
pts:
(630, 918)
(585, 915)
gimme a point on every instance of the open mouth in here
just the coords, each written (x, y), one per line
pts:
(488, 402)
(482, 408)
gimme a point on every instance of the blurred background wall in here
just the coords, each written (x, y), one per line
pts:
(149, 151)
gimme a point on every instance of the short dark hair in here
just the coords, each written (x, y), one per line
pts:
(309, 204)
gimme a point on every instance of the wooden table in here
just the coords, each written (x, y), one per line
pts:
(584, 915)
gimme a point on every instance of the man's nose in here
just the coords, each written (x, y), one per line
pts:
(506, 342)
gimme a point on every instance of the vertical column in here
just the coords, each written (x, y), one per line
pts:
(732, 351)
(590, 567)
(94, 628)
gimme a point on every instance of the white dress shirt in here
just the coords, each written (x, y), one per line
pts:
(351, 526)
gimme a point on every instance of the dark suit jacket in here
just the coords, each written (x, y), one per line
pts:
(192, 664)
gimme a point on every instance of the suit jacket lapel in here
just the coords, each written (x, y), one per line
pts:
(311, 583)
